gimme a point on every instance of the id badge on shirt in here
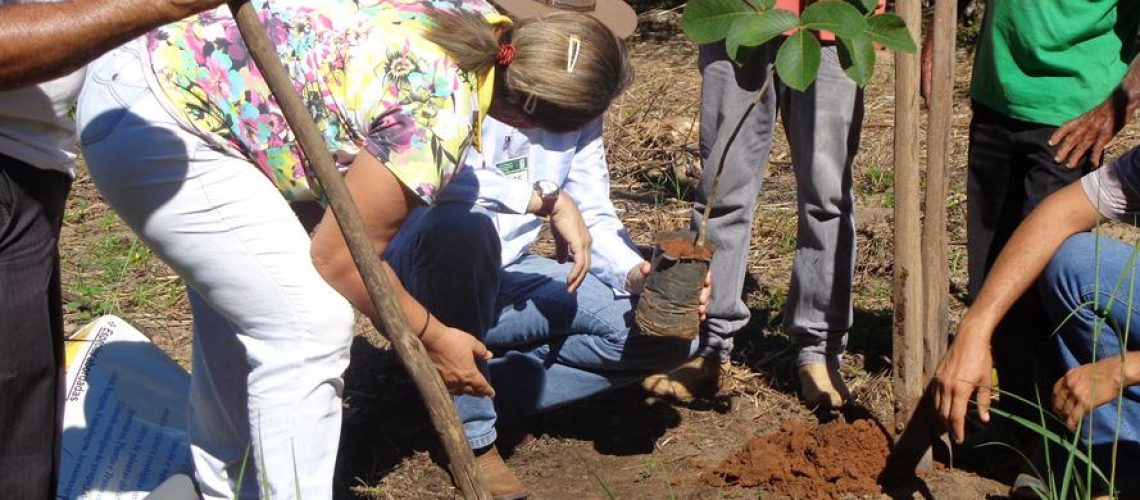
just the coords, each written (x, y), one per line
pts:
(515, 148)
(514, 168)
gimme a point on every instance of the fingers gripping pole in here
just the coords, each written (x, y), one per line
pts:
(392, 321)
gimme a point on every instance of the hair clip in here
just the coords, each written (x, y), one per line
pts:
(530, 104)
(572, 50)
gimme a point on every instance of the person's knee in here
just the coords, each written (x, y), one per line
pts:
(307, 353)
(1062, 282)
(466, 233)
(328, 322)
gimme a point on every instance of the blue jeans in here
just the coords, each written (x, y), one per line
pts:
(551, 347)
(1101, 317)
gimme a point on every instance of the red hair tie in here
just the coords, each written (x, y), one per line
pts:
(506, 54)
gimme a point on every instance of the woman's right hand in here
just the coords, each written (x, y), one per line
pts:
(966, 368)
(454, 353)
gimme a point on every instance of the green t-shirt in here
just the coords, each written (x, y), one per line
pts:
(1048, 61)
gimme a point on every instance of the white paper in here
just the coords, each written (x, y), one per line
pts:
(124, 421)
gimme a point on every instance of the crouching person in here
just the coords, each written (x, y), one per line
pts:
(1089, 285)
(560, 329)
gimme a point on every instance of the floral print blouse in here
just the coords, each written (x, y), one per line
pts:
(368, 76)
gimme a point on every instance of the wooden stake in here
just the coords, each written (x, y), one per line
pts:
(935, 266)
(392, 321)
(907, 328)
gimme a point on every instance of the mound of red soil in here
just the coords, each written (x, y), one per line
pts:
(803, 460)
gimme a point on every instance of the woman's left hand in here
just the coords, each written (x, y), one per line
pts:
(706, 295)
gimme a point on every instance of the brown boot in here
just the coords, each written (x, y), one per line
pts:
(698, 377)
(496, 477)
(822, 387)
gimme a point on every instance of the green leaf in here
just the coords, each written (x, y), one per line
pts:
(765, 4)
(1071, 447)
(836, 16)
(708, 21)
(864, 6)
(797, 61)
(743, 55)
(890, 31)
(750, 31)
(857, 57)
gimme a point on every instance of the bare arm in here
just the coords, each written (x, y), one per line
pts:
(968, 363)
(42, 41)
(388, 205)
(1028, 252)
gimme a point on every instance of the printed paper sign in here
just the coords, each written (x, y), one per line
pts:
(124, 428)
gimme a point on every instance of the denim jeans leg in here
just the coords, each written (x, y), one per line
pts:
(823, 125)
(450, 261)
(556, 347)
(727, 90)
(1095, 279)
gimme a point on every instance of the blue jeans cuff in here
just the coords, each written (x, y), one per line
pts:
(483, 440)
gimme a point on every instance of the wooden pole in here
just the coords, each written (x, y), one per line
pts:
(908, 318)
(408, 348)
(935, 265)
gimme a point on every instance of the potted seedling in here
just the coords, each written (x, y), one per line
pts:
(668, 305)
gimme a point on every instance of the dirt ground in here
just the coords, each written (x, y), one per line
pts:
(621, 444)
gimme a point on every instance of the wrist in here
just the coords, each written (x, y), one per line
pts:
(974, 330)
(545, 198)
(1131, 368)
(433, 331)
(1132, 97)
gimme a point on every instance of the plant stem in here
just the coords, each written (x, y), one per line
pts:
(702, 228)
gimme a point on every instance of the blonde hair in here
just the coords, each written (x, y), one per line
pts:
(562, 96)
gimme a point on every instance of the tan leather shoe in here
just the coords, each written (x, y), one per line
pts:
(497, 478)
(822, 387)
(698, 377)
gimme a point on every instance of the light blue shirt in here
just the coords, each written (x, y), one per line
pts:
(502, 179)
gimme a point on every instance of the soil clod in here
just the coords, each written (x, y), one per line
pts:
(803, 460)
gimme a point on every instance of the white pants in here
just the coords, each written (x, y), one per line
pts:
(271, 338)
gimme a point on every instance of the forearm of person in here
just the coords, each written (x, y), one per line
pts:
(341, 273)
(42, 41)
(1131, 368)
(588, 182)
(383, 203)
(1029, 250)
